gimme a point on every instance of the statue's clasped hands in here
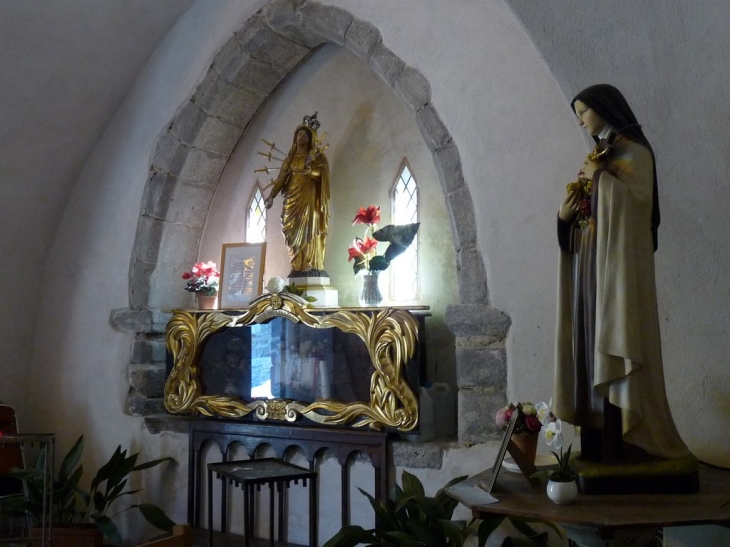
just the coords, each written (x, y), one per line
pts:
(579, 190)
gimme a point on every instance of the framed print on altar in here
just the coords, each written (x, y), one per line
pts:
(242, 274)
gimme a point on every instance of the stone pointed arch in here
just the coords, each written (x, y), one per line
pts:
(193, 151)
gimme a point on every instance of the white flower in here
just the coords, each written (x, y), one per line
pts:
(275, 285)
(544, 411)
(528, 409)
(554, 435)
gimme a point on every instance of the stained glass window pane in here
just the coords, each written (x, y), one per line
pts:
(256, 222)
(404, 269)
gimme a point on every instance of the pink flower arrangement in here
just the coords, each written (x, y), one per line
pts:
(203, 277)
(530, 419)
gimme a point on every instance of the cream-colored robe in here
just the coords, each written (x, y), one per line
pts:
(627, 354)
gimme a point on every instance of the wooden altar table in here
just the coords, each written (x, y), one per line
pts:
(609, 519)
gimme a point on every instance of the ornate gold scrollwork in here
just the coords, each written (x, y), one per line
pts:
(390, 335)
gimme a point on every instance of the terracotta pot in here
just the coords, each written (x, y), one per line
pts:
(527, 443)
(81, 535)
(205, 302)
(562, 492)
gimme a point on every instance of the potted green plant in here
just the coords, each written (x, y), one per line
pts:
(78, 509)
(561, 487)
(409, 517)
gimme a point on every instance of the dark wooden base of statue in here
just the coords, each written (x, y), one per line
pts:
(299, 274)
(656, 476)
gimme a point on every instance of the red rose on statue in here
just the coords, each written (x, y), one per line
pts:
(585, 207)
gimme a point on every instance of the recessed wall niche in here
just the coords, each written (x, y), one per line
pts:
(193, 150)
(369, 132)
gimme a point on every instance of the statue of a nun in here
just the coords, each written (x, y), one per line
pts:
(609, 376)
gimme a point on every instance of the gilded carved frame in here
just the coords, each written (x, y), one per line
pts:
(390, 334)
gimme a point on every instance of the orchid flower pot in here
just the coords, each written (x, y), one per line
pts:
(562, 493)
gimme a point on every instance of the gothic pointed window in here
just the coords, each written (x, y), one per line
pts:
(404, 210)
(256, 218)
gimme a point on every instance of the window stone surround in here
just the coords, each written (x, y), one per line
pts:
(194, 149)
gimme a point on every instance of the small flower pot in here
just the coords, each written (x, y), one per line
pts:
(562, 493)
(79, 535)
(205, 302)
(527, 444)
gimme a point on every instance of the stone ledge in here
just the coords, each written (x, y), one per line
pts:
(147, 320)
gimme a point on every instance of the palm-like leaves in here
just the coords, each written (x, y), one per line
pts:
(106, 487)
(409, 518)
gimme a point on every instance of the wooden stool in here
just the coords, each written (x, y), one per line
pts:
(250, 474)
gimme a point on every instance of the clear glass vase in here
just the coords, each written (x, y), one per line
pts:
(370, 296)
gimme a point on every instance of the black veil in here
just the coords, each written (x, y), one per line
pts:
(610, 104)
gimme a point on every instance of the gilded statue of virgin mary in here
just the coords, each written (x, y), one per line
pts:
(304, 182)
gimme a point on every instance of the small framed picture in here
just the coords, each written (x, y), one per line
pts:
(242, 274)
(488, 484)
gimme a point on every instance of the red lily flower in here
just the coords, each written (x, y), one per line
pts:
(361, 248)
(368, 216)
(354, 253)
(368, 245)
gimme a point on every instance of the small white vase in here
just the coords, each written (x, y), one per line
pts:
(562, 492)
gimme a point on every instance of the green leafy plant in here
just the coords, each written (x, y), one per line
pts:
(412, 519)
(562, 471)
(293, 289)
(72, 505)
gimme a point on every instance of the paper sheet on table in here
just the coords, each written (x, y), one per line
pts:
(468, 493)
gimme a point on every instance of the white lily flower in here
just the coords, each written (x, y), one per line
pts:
(554, 435)
(544, 411)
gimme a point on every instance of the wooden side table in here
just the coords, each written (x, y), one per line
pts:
(250, 475)
(608, 520)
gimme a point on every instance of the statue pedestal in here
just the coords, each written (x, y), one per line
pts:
(319, 287)
(655, 476)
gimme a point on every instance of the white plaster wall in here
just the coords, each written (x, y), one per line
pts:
(78, 374)
(519, 145)
(57, 94)
(670, 60)
(369, 132)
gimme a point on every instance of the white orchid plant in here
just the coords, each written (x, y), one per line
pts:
(553, 430)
